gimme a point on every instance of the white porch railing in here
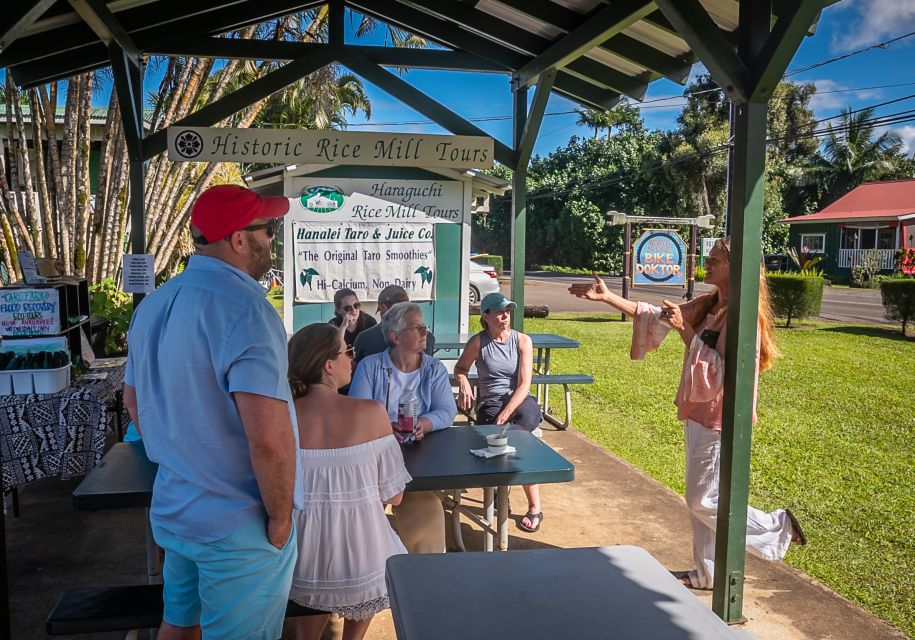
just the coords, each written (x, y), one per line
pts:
(848, 258)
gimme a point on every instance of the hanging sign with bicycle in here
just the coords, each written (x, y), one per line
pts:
(660, 258)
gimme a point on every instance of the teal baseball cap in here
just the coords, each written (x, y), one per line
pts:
(496, 302)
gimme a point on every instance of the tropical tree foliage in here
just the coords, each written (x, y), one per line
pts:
(683, 173)
(48, 206)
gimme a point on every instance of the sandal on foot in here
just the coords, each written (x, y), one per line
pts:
(798, 538)
(536, 518)
(686, 581)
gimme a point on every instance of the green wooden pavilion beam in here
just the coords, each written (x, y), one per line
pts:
(525, 147)
(740, 373)
(597, 28)
(96, 14)
(77, 47)
(636, 52)
(337, 21)
(532, 45)
(245, 96)
(413, 97)
(450, 34)
(19, 17)
(694, 25)
(781, 46)
(519, 210)
(212, 47)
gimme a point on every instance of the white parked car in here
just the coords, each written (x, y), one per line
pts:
(483, 281)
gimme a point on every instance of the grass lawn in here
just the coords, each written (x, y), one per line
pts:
(835, 442)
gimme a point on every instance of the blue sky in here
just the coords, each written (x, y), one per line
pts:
(843, 27)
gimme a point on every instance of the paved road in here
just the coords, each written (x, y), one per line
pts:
(854, 306)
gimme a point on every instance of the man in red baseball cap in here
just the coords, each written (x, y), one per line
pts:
(206, 387)
(224, 210)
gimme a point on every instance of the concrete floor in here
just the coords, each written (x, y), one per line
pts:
(52, 547)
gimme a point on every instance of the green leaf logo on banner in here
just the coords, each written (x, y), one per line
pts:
(306, 275)
(322, 199)
(425, 275)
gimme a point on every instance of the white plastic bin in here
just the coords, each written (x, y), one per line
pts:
(22, 381)
(6, 383)
(51, 380)
(34, 381)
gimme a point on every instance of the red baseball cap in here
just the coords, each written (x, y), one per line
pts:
(224, 209)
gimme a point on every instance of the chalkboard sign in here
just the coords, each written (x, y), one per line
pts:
(29, 312)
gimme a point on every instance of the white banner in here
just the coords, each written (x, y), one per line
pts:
(29, 312)
(364, 257)
(379, 200)
(288, 146)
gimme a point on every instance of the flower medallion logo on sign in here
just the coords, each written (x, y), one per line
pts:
(321, 199)
(189, 144)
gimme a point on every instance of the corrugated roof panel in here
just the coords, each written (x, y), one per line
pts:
(723, 12)
(519, 19)
(658, 38)
(581, 6)
(612, 60)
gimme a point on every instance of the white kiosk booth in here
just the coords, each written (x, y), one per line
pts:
(363, 227)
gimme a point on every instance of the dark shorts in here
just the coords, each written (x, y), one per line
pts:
(527, 416)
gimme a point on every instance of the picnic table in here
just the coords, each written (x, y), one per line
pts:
(440, 461)
(544, 343)
(544, 594)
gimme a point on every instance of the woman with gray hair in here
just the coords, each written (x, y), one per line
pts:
(385, 377)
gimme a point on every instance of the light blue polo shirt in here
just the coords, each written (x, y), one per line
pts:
(203, 335)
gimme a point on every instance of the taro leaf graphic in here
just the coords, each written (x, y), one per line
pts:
(425, 275)
(306, 275)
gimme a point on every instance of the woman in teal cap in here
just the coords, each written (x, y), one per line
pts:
(505, 362)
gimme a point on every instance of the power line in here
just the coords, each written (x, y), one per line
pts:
(879, 45)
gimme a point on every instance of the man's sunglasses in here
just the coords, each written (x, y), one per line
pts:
(420, 329)
(271, 228)
(352, 307)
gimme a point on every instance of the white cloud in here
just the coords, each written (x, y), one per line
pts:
(833, 101)
(907, 134)
(872, 21)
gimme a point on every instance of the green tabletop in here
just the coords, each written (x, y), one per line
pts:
(442, 460)
(541, 341)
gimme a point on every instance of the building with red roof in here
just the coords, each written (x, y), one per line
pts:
(874, 217)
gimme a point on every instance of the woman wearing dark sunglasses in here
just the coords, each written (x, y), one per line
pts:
(348, 314)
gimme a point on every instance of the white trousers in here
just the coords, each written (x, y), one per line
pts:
(768, 534)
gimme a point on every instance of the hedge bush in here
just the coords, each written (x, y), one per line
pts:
(491, 260)
(899, 300)
(795, 296)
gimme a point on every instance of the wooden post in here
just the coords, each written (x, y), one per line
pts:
(627, 263)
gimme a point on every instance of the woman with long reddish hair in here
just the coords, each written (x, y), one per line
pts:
(701, 324)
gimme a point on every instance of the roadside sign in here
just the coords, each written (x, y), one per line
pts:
(660, 258)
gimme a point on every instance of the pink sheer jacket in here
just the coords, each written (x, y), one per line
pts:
(701, 390)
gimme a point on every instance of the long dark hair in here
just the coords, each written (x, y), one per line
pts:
(309, 349)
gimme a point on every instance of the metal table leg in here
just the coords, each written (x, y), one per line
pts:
(546, 387)
(502, 517)
(487, 503)
(153, 565)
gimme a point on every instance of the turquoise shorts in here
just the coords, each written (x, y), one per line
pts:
(234, 588)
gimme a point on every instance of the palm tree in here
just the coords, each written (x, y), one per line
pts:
(622, 115)
(852, 155)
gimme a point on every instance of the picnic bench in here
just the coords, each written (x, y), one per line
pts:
(543, 377)
(96, 610)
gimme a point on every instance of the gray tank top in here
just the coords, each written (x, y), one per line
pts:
(497, 366)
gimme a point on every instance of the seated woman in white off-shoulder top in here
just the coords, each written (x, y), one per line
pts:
(350, 466)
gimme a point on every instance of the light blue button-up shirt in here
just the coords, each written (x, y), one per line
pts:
(204, 335)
